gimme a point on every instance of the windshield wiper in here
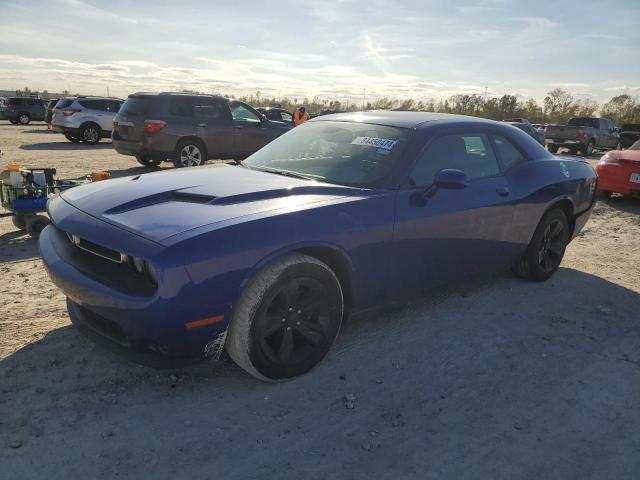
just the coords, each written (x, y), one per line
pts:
(289, 173)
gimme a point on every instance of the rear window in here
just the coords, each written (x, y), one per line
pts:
(136, 106)
(583, 122)
(64, 103)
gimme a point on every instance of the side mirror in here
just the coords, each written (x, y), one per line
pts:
(451, 179)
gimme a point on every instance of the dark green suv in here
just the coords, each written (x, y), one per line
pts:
(23, 110)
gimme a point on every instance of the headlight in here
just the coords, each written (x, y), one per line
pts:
(143, 267)
(138, 264)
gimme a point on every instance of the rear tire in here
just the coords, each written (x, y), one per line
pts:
(90, 133)
(14, 122)
(24, 118)
(189, 153)
(147, 161)
(552, 148)
(546, 249)
(287, 318)
(35, 225)
(603, 194)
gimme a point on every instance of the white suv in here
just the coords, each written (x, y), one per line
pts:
(85, 118)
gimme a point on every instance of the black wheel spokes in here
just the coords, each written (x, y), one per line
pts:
(295, 323)
(551, 250)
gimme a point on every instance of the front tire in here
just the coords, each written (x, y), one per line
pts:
(90, 134)
(546, 249)
(189, 153)
(588, 150)
(24, 118)
(287, 318)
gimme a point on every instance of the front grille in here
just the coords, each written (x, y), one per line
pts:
(94, 263)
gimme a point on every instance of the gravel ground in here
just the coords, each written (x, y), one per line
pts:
(494, 378)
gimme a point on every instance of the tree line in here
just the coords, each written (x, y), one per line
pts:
(557, 107)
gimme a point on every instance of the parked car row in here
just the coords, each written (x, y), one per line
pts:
(188, 129)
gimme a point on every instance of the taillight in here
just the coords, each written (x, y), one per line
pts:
(153, 126)
(67, 112)
(546, 130)
(580, 135)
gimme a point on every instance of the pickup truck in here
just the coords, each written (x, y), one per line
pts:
(583, 135)
(630, 134)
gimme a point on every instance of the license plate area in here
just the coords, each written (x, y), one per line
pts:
(634, 178)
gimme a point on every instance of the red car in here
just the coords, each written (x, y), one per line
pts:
(619, 171)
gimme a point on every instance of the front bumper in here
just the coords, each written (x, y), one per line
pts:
(103, 302)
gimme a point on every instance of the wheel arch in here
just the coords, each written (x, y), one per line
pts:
(86, 123)
(330, 254)
(192, 138)
(566, 205)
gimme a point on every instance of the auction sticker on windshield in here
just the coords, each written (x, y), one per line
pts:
(380, 143)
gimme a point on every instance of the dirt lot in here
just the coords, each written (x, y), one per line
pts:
(494, 378)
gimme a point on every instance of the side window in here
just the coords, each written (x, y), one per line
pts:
(93, 104)
(470, 153)
(286, 117)
(212, 110)
(112, 106)
(241, 113)
(181, 106)
(508, 155)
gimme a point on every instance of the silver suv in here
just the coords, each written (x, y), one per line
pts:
(85, 118)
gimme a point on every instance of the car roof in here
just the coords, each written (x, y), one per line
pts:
(413, 120)
(177, 94)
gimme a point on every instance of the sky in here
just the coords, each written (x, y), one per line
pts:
(336, 49)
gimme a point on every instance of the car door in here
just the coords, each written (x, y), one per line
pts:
(251, 131)
(215, 128)
(444, 234)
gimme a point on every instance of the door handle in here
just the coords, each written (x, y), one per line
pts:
(503, 191)
(203, 125)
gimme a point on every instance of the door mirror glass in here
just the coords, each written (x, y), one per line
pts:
(451, 179)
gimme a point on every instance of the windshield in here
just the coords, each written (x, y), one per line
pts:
(345, 153)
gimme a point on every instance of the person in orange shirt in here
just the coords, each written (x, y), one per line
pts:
(300, 116)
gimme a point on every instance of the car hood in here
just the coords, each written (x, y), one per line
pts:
(160, 205)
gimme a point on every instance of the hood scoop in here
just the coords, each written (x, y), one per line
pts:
(162, 197)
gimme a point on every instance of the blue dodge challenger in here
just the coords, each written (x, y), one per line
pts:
(346, 213)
